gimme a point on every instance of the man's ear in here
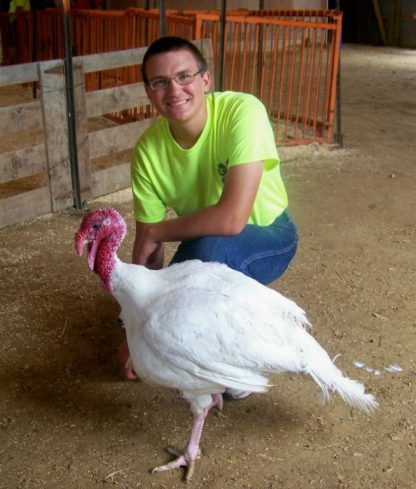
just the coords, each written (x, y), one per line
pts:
(206, 79)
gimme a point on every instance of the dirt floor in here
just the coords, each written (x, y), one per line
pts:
(68, 421)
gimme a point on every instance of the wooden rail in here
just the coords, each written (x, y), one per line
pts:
(48, 162)
(287, 58)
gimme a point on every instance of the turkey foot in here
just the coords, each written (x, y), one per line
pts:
(184, 459)
(191, 453)
(124, 362)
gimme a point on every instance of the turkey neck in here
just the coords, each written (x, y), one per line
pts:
(106, 259)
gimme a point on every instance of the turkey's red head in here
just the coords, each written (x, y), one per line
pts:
(101, 231)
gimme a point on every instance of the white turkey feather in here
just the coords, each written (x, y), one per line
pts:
(203, 328)
(216, 328)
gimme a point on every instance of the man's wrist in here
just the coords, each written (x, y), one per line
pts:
(153, 233)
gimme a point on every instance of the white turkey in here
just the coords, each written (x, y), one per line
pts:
(203, 328)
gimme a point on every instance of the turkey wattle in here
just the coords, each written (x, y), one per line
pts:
(203, 328)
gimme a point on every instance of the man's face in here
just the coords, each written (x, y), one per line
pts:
(179, 104)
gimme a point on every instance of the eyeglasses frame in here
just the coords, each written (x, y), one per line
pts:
(168, 80)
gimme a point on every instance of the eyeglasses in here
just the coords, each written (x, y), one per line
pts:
(181, 79)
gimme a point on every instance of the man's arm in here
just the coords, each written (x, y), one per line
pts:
(144, 252)
(226, 218)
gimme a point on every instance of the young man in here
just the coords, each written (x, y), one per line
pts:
(212, 158)
(19, 6)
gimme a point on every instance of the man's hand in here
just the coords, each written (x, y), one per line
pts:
(146, 250)
(151, 254)
(226, 218)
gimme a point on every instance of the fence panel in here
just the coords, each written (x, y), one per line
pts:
(288, 58)
(35, 176)
(290, 64)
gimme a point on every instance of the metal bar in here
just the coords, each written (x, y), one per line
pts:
(260, 56)
(69, 89)
(221, 46)
(245, 55)
(310, 77)
(285, 57)
(275, 53)
(263, 58)
(339, 137)
(255, 52)
(282, 73)
(163, 22)
(335, 89)
(298, 84)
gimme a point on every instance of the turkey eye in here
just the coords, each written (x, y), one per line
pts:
(95, 227)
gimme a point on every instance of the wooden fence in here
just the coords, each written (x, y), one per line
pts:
(35, 179)
(287, 58)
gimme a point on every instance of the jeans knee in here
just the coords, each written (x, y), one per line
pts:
(268, 267)
(206, 249)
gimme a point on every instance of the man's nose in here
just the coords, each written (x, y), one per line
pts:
(173, 85)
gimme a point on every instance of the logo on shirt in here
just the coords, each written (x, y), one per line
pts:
(222, 169)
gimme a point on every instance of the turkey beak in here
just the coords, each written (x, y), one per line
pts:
(92, 253)
(80, 242)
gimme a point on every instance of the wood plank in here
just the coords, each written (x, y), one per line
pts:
(29, 72)
(205, 46)
(116, 99)
(23, 73)
(56, 133)
(22, 117)
(111, 59)
(129, 57)
(81, 121)
(22, 163)
(55, 159)
(24, 206)
(118, 138)
(110, 180)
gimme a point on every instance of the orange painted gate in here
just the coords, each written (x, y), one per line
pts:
(289, 59)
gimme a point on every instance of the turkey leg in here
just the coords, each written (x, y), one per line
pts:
(188, 457)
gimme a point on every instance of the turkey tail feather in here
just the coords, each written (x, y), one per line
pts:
(330, 379)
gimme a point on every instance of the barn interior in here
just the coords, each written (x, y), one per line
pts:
(67, 418)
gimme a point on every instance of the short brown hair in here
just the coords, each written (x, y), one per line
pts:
(172, 43)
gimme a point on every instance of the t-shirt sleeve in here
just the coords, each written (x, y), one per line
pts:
(148, 207)
(251, 136)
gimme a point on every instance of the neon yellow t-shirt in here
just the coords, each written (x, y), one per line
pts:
(237, 131)
(23, 4)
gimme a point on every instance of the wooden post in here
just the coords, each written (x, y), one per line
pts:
(52, 85)
(394, 24)
(81, 124)
(52, 92)
(379, 17)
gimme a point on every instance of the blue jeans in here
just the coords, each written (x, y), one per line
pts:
(261, 252)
